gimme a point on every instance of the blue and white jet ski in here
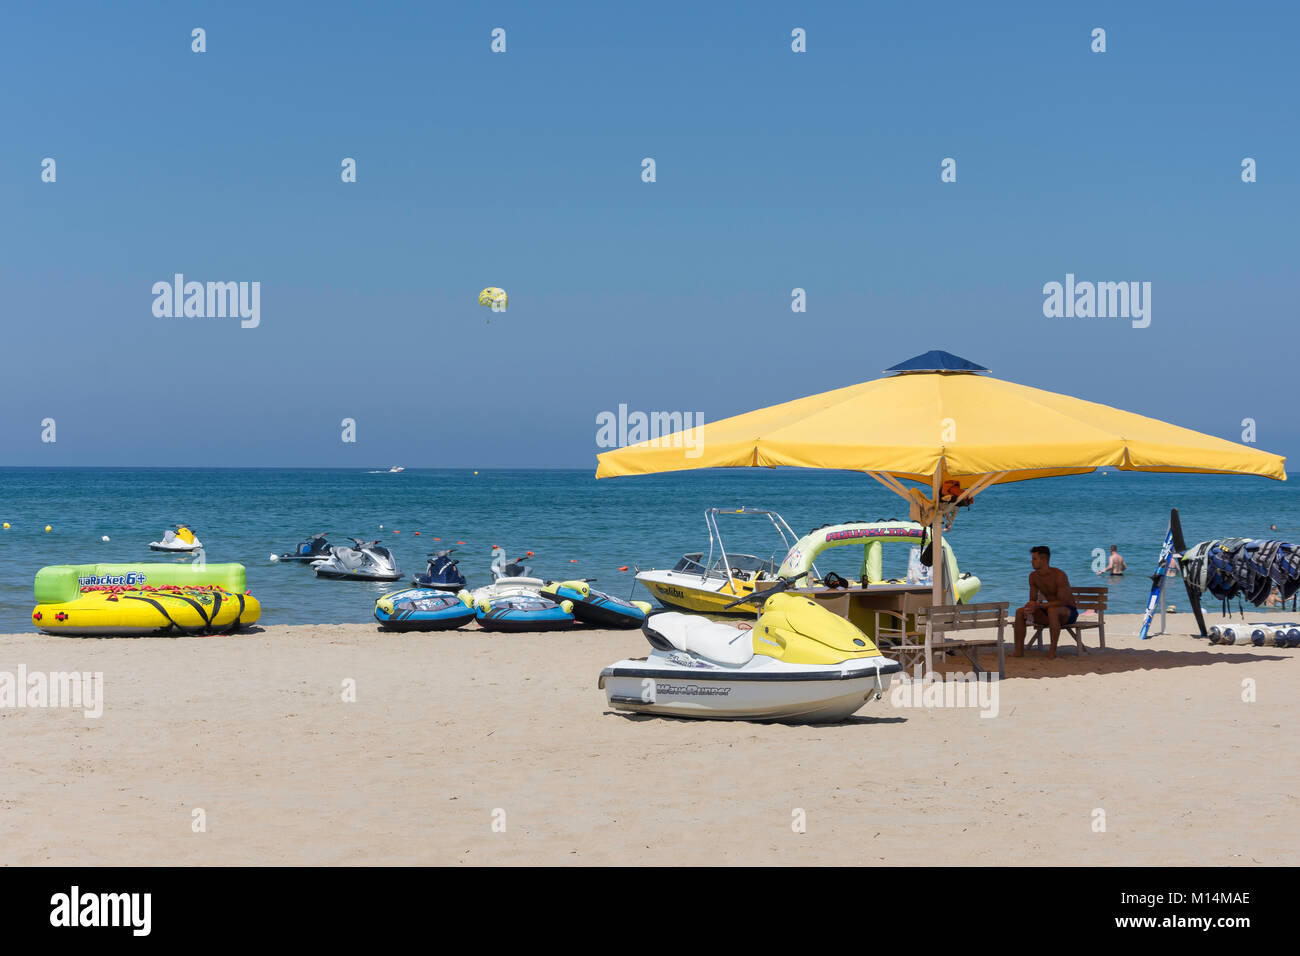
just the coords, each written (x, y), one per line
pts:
(315, 548)
(441, 574)
(423, 609)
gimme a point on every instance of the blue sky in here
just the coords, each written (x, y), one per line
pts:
(775, 170)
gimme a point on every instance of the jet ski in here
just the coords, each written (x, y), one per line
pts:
(501, 568)
(441, 573)
(597, 607)
(178, 538)
(315, 548)
(799, 663)
(367, 561)
(509, 578)
(423, 609)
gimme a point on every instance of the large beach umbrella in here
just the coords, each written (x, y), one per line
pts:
(939, 419)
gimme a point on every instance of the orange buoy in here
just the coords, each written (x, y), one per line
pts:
(416, 533)
(623, 568)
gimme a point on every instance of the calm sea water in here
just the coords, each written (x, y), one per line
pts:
(580, 527)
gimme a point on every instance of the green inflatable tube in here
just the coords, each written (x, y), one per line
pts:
(63, 582)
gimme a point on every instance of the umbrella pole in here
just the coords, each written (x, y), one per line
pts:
(936, 542)
(936, 567)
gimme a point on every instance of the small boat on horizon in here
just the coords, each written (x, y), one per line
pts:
(395, 469)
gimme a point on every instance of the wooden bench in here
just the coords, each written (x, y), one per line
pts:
(1085, 599)
(915, 646)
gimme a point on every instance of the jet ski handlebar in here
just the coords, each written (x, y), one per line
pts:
(783, 585)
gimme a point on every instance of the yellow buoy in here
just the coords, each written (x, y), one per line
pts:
(48, 529)
(7, 523)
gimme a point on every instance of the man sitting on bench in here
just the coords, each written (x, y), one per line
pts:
(1051, 603)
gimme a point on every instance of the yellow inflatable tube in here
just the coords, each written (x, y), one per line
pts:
(139, 611)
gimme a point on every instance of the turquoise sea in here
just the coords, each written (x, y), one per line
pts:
(580, 527)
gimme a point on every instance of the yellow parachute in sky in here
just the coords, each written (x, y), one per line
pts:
(493, 297)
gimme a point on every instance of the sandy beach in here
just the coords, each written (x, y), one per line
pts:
(452, 733)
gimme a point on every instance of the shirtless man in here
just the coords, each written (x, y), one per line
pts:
(1116, 565)
(1051, 603)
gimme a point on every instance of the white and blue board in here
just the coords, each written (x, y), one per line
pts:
(1158, 583)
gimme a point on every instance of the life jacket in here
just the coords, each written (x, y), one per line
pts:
(1195, 566)
(951, 490)
(1219, 579)
(1285, 569)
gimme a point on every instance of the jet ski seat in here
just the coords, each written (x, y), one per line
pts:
(352, 560)
(721, 643)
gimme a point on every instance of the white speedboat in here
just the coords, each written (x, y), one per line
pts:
(798, 663)
(395, 469)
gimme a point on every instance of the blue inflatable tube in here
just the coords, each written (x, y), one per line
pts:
(522, 612)
(422, 609)
(596, 607)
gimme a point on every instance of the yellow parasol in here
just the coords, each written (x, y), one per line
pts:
(939, 419)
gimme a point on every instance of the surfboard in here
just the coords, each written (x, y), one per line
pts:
(1180, 546)
(1157, 583)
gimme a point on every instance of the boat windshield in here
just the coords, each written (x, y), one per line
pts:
(742, 562)
(721, 564)
(693, 564)
(690, 562)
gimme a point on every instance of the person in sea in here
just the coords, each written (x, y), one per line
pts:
(1051, 602)
(1116, 565)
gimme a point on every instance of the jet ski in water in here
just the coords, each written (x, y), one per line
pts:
(367, 561)
(441, 574)
(512, 570)
(315, 548)
(800, 663)
(597, 607)
(179, 538)
(423, 609)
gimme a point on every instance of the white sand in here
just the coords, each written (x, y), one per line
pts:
(447, 728)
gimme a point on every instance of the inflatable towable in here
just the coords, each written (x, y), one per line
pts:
(143, 599)
(423, 609)
(597, 607)
(522, 612)
(872, 535)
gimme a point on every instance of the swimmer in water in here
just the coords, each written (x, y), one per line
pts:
(1116, 565)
